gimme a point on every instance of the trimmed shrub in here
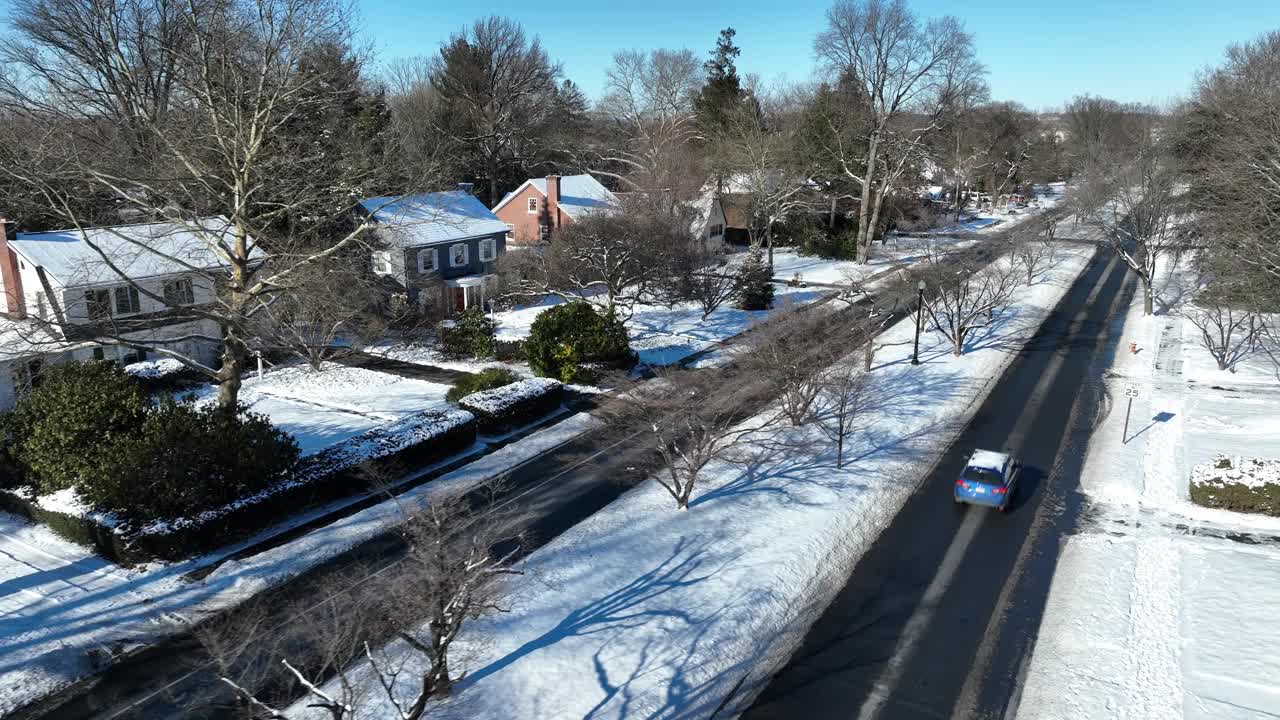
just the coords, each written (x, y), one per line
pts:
(470, 334)
(514, 405)
(509, 350)
(568, 342)
(1239, 484)
(186, 459)
(486, 379)
(755, 281)
(62, 430)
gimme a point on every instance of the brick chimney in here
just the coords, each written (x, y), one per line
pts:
(9, 277)
(553, 201)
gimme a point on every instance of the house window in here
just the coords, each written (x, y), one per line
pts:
(533, 205)
(544, 232)
(127, 300)
(98, 304)
(427, 261)
(179, 292)
(382, 263)
(717, 230)
(99, 354)
(488, 249)
(459, 255)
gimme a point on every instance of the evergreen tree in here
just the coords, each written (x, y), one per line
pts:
(722, 91)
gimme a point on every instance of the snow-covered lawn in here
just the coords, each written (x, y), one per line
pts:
(645, 611)
(1162, 609)
(323, 408)
(58, 600)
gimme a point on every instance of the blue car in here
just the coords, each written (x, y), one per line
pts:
(988, 479)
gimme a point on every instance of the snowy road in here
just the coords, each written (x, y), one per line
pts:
(939, 619)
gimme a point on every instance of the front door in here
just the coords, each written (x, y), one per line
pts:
(459, 298)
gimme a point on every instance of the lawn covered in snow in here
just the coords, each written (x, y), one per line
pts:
(326, 407)
(645, 611)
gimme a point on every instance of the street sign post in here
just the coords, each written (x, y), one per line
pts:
(1130, 392)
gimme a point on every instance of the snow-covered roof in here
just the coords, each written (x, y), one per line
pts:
(430, 218)
(138, 251)
(27, 338)
(989, 460)
(580, 195)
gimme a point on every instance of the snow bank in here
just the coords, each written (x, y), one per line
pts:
(155, 369)
(1249, 472)
(645, 611)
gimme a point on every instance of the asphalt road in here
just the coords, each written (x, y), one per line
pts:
(938, 620)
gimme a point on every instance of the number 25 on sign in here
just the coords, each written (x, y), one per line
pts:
(1130, 392)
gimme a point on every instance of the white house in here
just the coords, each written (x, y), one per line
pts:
(64, 299)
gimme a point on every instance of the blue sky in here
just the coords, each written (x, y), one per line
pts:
(1038, 53)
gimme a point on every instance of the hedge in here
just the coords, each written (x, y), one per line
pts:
(348, 468)
(512, 406)
(1239, 484)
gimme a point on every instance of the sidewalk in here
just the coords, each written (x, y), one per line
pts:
(1161, 609)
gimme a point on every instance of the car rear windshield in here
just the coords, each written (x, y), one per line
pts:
(983, 475)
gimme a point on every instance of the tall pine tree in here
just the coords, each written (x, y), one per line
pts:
(722, 91)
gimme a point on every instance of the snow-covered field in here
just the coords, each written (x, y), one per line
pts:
(59, 600)
(336, 403)
(645, 611)
(1161, 609)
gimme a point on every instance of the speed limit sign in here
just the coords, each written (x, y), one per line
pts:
(1130, 391)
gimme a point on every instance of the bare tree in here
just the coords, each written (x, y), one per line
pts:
(901, 69)
(711, 286)
(768, 176)
(960, 298)
(611, 260)
(234, 173)
(844, 387)
(692, 419)
(118, 58)
(1136, 198)
(1034, 254)
(1230, 334)
(649, 107)
(330, 312)
(790, 351)
(451, 574)
(1229, 139)
(494, 85)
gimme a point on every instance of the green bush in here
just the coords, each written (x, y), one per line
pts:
(755, 281)
(486, 379)
(185, 459)
(470, 334)
(1238, 497)
(569, 341)
(509, 350)
(64, 426)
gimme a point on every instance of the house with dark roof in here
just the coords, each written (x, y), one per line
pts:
(441, 248)
(540, 206)
(74, 294)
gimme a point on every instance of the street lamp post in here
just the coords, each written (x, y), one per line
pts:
(915, 353)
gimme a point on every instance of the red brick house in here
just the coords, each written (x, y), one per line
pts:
(541, 206)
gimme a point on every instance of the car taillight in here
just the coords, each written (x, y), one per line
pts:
(962, 483)
(1001, 490)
